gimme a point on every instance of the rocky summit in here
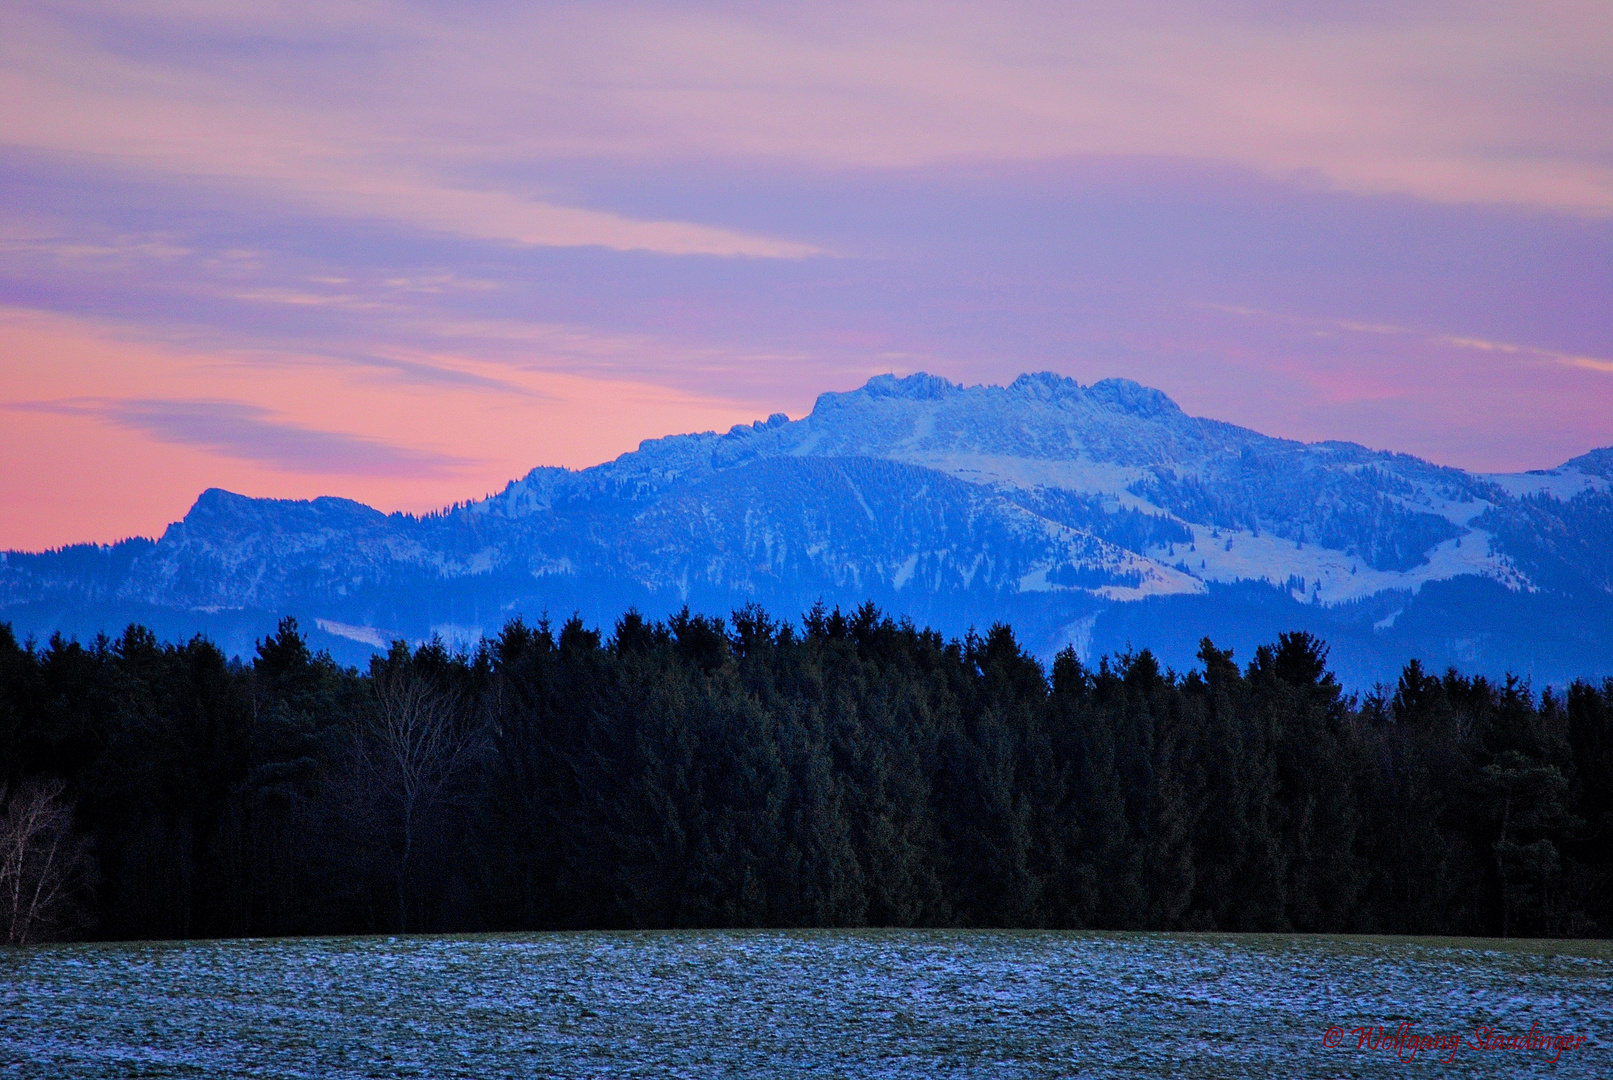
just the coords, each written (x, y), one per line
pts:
(1099, 517)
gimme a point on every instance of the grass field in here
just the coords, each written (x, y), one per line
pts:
(831, 1003)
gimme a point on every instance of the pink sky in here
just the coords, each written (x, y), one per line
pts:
(403, 253)
(161, 423)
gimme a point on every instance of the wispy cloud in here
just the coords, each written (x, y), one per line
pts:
(408, 111)
(251, 433)
(422, 370)
(1449, 341)
(1589, 363)
(155, 101)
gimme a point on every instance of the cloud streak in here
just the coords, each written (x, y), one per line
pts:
(430, 115)
(251, 433)
(72, 92)
(1449, 341)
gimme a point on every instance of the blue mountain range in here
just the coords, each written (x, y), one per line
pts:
(1099, 517)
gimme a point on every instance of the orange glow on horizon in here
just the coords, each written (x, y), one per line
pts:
(76, 473)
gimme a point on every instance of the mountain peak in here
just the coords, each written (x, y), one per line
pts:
(1593, 463)
(218, 508)
(920, 386)
(1118, 395)
(1045, 386)
(1134, 398)
(215, 497)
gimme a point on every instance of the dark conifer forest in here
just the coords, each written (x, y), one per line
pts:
(847, 770)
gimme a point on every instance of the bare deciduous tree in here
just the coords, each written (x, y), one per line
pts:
(414, 743)
(43, 863)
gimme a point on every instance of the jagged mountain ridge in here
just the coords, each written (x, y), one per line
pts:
(1071, 510)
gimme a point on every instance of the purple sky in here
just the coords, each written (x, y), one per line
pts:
(405, 252)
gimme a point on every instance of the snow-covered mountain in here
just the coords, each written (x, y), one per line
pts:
(1097, 516)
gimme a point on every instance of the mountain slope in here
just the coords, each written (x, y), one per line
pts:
(1095, 516)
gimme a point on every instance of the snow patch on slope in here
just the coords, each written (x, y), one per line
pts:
(1326, 575)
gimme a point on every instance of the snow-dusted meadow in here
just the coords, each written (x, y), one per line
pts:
(770, 1003)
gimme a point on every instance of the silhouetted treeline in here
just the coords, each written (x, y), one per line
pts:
(846, 770)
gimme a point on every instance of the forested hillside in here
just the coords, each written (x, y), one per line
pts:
(845, 770)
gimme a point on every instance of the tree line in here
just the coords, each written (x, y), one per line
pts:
(846, 770)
